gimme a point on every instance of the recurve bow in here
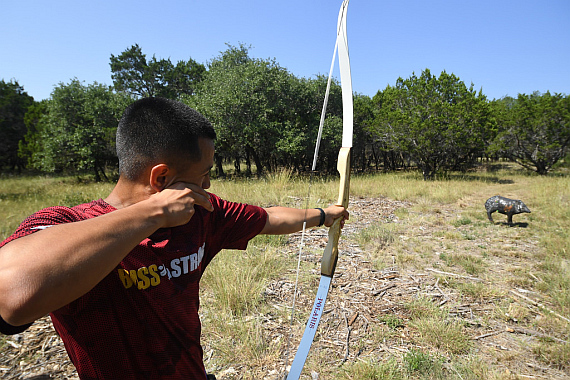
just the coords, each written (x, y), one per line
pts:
(330, 255)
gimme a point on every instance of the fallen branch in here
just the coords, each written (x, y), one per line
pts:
(349, 329)
(489, 334)
(438, 288)
(353, 318)
(521, 330)
(543, 369)
(384, 289)
(445, 299)
(454, 274)
(539, 305)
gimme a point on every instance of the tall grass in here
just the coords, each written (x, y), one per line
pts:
(235, 298)
(22, 196)
(237, 279)
(410, 186)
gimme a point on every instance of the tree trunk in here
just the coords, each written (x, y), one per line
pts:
(237, 165)
(219, 168)
(256, 159)
(247, 164)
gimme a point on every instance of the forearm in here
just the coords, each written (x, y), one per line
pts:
(44, 271)
(284, 220)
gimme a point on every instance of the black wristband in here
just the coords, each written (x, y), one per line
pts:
(322, 221)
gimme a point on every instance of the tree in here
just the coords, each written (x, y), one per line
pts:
(438, 122)
(35, 122)
(14, 103)
(221, 98)
(77, 132)
(264, 114)
(308, 108)
(363, 145)
(535, 130)
(133, 74)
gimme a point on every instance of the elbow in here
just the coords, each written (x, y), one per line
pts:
(14, 320)
(11, 315)
(12, 307)
(15, 310)
(21, 302)
(13, 324)
(15, 303)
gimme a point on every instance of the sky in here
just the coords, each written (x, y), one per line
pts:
(501, 47)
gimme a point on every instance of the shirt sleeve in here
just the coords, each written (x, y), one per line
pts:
(36, 222)
(41, 220)
(237, 223)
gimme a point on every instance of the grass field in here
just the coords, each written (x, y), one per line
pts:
(426, 287)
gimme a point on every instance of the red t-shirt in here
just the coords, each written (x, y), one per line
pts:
(141, 321)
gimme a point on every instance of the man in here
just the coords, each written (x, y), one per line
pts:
(120, 276)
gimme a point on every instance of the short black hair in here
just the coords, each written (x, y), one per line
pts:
(154, 130)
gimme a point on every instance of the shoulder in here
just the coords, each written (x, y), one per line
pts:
(54, 215)
(64, 214)
(235, 208)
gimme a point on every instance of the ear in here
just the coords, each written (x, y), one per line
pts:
(159, 177)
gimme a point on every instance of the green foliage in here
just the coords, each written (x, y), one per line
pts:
(370, 370)
(422, 307)
(438, 122)
(263, 114)
(471, 264)
(362, 147)
(462, 222)
(448, 336)
(418, 362)
(267, 119)
(77, 132)
(133, 74)
(14, 103)
(375, 238)
(391, 321)
(32, 141)
(535, 130)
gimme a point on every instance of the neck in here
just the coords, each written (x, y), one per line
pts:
(127, 193)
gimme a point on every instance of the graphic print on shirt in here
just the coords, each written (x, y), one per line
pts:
(145, 277)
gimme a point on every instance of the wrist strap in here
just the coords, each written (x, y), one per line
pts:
(322, 221)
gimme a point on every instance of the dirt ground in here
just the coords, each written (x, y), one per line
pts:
(364, 291)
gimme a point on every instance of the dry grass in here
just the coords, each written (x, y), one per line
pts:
(426, 287)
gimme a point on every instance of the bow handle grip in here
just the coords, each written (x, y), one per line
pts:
(330, 255)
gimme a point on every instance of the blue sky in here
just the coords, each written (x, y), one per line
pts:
(502, 47)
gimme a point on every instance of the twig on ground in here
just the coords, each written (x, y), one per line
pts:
(534, 333)
(383, 290)
(349, 329)
(454, 274)
(539, 305)
(489, 334)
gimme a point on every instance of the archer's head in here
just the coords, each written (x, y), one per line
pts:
(157, 131)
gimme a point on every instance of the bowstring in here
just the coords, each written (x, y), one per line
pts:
(313, 170)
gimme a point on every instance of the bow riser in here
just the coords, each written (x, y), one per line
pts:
(330, 255)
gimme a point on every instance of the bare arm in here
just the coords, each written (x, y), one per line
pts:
(284, 220)
(46, 270)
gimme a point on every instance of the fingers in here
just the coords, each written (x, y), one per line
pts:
(178, 202)
(335, 212)
(192, 193)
